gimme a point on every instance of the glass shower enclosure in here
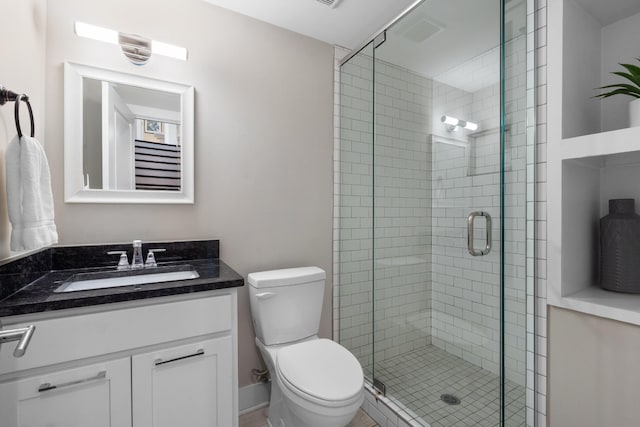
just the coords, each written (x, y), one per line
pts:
(434, 218)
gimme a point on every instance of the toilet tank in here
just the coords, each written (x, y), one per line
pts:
(286, 304)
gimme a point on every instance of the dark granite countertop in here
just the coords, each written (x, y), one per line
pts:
(28, 285)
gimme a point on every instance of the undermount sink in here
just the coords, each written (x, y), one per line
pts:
(112, 279)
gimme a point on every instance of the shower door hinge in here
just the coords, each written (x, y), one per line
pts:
(380, 38)
(379, 387)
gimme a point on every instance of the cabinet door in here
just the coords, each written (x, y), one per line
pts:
(189, 385)
(97, 395)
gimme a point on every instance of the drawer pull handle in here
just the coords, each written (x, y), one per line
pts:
(200, 352)
(23, 335)
(48, 386)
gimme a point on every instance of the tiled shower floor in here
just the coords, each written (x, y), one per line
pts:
(418, 379)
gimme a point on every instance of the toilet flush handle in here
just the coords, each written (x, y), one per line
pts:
(265, 295)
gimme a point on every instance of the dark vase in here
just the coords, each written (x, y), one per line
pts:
(620, 247)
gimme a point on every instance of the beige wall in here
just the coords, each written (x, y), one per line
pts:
(263, 138)
(594, 371)
(22, 37)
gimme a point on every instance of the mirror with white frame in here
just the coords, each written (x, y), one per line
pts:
(127, 138)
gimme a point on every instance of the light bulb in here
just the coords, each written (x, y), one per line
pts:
(471, 126)
(97, 33)
(448, 120)
(170, 50)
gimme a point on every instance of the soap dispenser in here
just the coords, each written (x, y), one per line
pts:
(137, 261)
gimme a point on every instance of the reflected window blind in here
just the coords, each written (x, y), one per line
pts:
(157, 166)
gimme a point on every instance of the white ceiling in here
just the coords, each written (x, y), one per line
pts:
(441, 39)
(609, 11)
(348, 25)
(134, 95)
(461, 30)
(435, 40)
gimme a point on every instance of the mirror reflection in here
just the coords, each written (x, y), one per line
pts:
(128, 138)
(131, 137)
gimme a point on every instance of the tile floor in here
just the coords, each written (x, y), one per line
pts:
(417, 380)
(258, 418)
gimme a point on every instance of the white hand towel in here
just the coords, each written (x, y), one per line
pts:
(29, 195)
(14, 193)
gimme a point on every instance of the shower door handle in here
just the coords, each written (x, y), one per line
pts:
(478, 252)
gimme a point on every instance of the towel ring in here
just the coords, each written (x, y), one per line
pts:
(24, 98)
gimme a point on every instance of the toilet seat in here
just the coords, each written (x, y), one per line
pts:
(321, 371)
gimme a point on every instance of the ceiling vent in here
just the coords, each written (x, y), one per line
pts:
(331, 3)
(421, 31)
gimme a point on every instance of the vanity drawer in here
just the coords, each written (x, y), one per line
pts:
(82, 336)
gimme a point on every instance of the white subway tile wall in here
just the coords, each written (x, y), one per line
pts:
(538, 19)
(402, 211)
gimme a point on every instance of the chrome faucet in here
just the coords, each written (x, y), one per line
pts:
(136, 260)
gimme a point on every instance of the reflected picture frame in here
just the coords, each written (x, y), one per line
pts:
(153, 126)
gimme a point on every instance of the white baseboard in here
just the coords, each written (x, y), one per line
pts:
(253, 397)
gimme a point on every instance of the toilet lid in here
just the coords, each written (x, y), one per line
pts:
(322, 369)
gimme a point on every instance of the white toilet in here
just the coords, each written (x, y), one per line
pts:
(315, 382)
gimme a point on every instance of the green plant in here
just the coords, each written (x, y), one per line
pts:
(632, 89)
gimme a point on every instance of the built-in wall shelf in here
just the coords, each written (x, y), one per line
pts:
(594, 38)
(599, 144)
(588, 171)
(592, 153)
(598, 302)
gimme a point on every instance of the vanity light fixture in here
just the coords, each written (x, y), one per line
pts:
(137, 48)
(454, 124)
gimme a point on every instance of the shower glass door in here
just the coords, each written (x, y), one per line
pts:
(437, 212)
(433, 212)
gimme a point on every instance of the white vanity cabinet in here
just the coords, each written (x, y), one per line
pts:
(169, 362)
(188, 385)
(97, 395)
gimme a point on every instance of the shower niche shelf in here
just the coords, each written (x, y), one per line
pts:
(592, 153)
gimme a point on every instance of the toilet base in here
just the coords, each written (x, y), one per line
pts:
(287, 414)
(287, 409)
(275, 417)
